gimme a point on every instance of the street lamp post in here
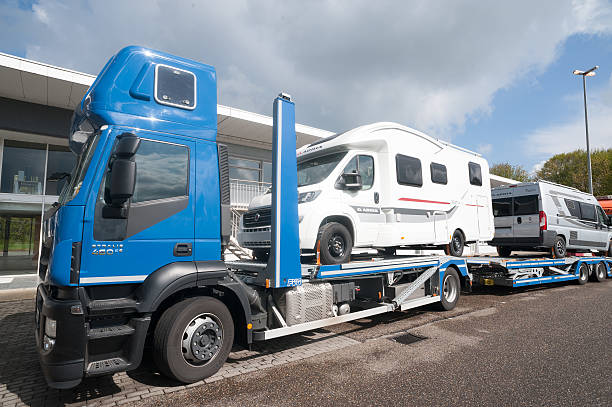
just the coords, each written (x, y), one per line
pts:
(584, 74)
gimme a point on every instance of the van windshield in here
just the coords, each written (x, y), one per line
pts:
(317, 169)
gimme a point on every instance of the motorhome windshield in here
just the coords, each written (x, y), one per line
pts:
(72, 188)
(317, 169)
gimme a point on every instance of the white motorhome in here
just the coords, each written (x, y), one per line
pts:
(382, 186)
(547, 216)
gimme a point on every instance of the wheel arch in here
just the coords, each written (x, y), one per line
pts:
(343, 220)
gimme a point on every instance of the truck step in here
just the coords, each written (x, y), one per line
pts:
(117, 303)
(108, 331)
(106, 366)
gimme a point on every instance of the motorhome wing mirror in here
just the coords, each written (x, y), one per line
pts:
(351, 181)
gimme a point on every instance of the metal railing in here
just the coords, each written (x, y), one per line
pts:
(243, 191)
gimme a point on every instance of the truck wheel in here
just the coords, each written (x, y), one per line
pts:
(456, 245)
(193, 339)
(450, 289)
(583, 273)
(559, 248)
(261, 254)
(504, 251)
(599, 272)
(336, 243)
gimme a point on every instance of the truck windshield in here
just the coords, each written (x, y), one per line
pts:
(72, 188)
(317, 169)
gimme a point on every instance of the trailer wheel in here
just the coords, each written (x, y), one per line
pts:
(583, 274)
(193, 339)
(456, 245)
(504, 251)
(450, 289)
(336, 243)
(599, 272)
(559, 249)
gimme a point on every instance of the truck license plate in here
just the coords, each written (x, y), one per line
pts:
(489, 281)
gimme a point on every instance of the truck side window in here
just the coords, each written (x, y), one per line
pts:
(475, 173)
(162, 171)
(573, 207)
(364, 166)
(588, 211)
(502, 207)
(438, 173)
(526, 205)
(408, 170)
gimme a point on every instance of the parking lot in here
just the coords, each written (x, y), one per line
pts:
(491, 344)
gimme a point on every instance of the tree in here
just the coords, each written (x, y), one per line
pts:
(507, 170)
(571, 169)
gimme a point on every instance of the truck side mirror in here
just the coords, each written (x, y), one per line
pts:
(121, 177)
(351, 181)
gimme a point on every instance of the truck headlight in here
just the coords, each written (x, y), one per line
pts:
(50, 327)
(48, 343)
(308, 196)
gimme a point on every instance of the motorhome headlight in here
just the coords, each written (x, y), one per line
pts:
(308, 196)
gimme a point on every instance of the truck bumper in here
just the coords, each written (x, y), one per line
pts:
(63, 362)
(546, 239)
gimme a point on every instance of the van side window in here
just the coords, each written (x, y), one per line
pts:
(587, 211)
(502, 207)
(364, 166)
(162, 171)
(573, 207)
(475, 174)
(438, 173)
(603, 218)
(408, 170)
(526, 205)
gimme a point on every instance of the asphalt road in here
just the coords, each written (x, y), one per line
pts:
(545, 346)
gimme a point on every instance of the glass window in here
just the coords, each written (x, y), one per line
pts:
(475, 174)
(59, 160)
(408, 170)
(267, 172)
(438, 174)
(23, 167)
(502, 207)
(175, 87)
(243, 163)
(588, 211)
(573, 207)
(364, 166)
(603, 218)
(317, 169)
(162, 171)
(526, 205)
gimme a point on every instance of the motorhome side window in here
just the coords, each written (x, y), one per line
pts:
(162, 171)
(364, 166)
(588, 211)
(438, 173)
(573, 207)
(175, 87)
(475, 174)
(408, 171)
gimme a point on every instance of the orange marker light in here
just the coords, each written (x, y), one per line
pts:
(249, 326)
(267, 283)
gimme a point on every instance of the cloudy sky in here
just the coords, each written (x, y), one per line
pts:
(491, 76)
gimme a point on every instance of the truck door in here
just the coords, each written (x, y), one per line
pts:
(159, 227)
(526, 221)
(366, 201)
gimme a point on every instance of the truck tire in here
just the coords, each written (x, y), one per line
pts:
(336, 243)
(583, 274)
(504, 251)
(599, 272)
(455, 246)
(450, 289)
(177, 354)
(261, 254)
(559, 249)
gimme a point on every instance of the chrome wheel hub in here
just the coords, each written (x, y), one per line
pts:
(202, 339)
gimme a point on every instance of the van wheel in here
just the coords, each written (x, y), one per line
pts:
(193, 339)
(583, 274)
(456, 245)
(599, 272)
(261, 254)
(336, 243)
(504, 251)
(559, 248)
(450, 290)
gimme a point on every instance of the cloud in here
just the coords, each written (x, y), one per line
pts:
(429, 65)
(484, 149)
(570, 135)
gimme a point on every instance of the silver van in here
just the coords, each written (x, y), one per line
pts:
(547, 216)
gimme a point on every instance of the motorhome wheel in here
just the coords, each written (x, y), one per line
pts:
(336, 243)
(455, 247)
(504, 251)
(559, 248)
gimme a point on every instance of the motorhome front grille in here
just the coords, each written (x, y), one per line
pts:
(257, 217)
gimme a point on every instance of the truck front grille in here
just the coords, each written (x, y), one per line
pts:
(257, 217)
